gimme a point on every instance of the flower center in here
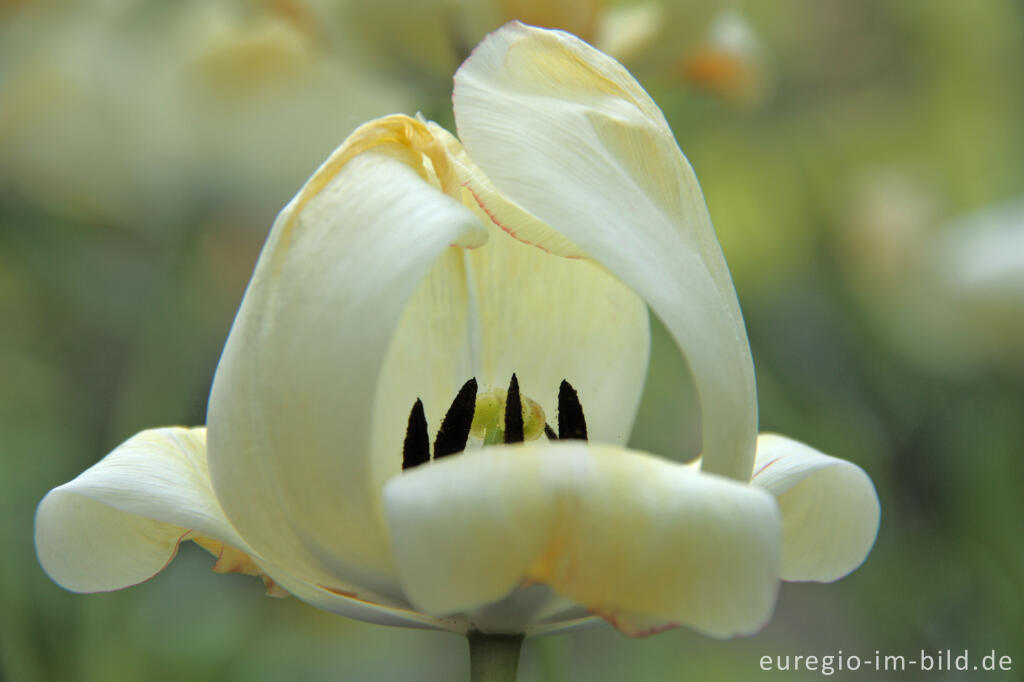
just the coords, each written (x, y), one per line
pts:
(489, 417)
(497, 416)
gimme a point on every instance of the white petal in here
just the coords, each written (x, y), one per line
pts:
(613, 530)
(120, 521)
(829, 508)
(291, 406)
(568, 134)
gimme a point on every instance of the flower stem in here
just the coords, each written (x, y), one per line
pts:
(493, 658)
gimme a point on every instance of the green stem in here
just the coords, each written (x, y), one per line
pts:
(493, 658)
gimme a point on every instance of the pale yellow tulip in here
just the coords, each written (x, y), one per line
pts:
(410, 264)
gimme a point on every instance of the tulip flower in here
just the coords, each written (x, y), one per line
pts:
(421, 412)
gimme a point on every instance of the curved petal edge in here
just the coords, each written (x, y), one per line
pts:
(830, 510)
(120, 522)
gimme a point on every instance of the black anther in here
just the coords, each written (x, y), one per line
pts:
(454, 431)
(513, 413)
(550, 432)
(571, 423)
(416, 449)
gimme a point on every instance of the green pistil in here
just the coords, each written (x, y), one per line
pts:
(494, 434)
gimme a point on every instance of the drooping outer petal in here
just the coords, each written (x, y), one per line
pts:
(290, 409)
(120, 521)
(614, 530)
(829, 508)
(568, 134)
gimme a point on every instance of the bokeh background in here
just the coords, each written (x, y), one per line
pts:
(864, 167)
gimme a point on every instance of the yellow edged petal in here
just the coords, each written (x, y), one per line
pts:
(616, 531)
(292, 402)
(829, 508)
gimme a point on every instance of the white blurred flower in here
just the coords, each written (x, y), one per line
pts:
(948, 293)
(128, 110)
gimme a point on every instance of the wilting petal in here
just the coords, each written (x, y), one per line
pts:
(291, 404)
(829, 508)
(568, 134)
(639, 624)
(120, 521)
(233, 560)
(611, 529)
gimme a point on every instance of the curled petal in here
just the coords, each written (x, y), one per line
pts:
(613, 530)
(568, 134)
(120, 521)
(291, 406)
(829, 508)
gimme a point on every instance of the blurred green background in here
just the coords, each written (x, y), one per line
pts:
(864, 167)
